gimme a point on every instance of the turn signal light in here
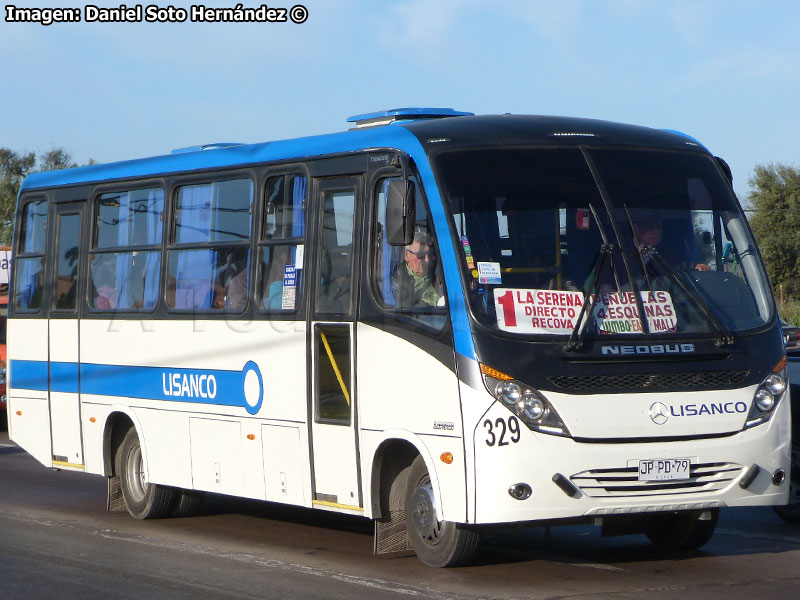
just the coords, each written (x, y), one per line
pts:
(487, 370)
(447, 458)
(250, 436)
(19, 413)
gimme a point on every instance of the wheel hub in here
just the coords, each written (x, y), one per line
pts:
(423, 512)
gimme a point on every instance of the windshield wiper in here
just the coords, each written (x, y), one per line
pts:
(581, 328)
(725, 336)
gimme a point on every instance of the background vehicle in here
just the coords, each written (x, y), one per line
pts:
(790, 336)
(438, 321)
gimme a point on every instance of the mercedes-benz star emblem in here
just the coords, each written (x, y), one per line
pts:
(659, 413)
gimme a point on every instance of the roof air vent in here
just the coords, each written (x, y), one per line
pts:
(215, 146)
(404, 114)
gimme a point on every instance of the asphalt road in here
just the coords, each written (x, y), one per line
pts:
(57, 541)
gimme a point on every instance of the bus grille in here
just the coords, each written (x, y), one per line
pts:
(662, 381)
(624, 482)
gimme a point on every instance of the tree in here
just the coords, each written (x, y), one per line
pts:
(16, 167)
(776, 222)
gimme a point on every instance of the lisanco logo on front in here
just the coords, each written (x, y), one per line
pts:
(640, 349)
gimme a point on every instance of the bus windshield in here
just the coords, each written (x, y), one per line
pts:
(537, 236)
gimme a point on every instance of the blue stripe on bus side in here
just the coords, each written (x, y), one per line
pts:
(28, 375)
(203, 386)
(64, 377)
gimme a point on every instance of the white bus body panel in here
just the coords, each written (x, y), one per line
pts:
(285, 478)
(211, 447)
(401, 384)
(31, 429)
(537, 457)
(65, 413)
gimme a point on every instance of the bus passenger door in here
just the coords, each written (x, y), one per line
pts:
(333, 399)
(69, 272)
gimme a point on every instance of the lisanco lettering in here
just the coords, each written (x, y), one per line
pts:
(711, 408)
(189, 385)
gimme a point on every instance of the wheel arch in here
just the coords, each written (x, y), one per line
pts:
(119, 420)
(396, 451)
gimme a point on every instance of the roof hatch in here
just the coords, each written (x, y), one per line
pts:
(385, 117)
(215, 146)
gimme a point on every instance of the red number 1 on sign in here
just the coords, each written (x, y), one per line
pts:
(509, 314)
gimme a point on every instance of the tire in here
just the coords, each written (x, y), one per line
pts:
(144, 500)
(188, 503)
(681, 531)
(437, 543)
(791, 512)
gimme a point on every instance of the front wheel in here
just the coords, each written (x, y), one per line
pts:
(144, 500)
(437, 543)
(682, 531)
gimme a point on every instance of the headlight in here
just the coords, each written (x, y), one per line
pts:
(533, 406)
(767, 397)
(529, 405)
(508, 392)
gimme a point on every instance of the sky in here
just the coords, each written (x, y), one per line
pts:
(726, 72)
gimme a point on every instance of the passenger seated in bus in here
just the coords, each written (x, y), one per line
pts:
(103, 279)
(413, 282)
(272, 297)
(647, 228)
(236, 293)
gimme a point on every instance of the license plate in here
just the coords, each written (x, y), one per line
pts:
(664, 469)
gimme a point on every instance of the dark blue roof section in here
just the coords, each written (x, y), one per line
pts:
(505, 130)
(411, 136)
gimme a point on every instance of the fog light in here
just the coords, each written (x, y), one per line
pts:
(520, 491)
(778, 477)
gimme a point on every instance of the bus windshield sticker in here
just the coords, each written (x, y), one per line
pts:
(489, 272)
(298, 257)
(582, 221)
(289, 287)
(537, 311)
(468, 253)
(617, 313)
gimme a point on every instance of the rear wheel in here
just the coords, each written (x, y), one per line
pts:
(188, 503)
(681, 531)
(437, 543)
(144, 500)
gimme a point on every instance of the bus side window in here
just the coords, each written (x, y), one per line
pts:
(408, 278)
(29, 266)
(125, 265)
(281, 249)
(216, 214)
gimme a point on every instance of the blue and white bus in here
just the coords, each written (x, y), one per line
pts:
(439, 321)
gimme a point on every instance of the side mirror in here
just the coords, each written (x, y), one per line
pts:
(725, 168)
(400, 212)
